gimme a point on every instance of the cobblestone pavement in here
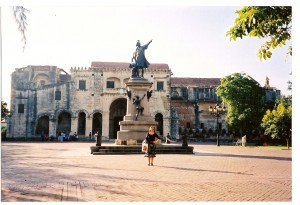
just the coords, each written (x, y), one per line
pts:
(54, 172)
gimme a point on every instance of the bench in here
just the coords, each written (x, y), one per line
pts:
(238, 142)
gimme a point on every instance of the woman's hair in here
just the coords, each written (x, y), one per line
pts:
(152, 128)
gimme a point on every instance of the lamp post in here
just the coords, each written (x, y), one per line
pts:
(217, 111)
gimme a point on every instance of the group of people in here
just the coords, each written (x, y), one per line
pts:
(67, 136)
(93, 137)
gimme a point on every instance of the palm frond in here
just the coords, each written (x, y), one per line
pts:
(21, 19)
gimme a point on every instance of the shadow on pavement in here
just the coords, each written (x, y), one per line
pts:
(201, 170)
(241, 156)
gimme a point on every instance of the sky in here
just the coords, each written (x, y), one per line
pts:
(191, 39)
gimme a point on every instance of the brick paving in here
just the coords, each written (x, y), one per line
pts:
(55, 172)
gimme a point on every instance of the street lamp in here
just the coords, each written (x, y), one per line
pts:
(196, 109)
(217, 111)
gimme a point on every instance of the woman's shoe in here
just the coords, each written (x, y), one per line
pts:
(148, 164)
(151, 164)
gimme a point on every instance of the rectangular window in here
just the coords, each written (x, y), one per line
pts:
(184, 92)
(20, 108)
(110, 84)
(82, 84)
(160, 85)
(58, 95)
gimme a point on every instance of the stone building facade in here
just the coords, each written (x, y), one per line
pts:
(190, 100)
(47, 99)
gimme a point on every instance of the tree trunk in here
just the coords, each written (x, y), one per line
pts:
(287, 143)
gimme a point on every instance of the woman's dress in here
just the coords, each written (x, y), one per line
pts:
(151, 152)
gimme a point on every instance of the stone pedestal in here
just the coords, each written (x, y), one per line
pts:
(130, 128)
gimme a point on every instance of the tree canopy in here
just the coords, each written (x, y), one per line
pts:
(243, 96)
(4, 110)
(278, 122)
(272, 22)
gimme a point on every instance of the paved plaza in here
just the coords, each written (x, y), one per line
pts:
(54, 172)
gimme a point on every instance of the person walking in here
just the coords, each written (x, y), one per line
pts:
(90, 136)
(95, 136)
(168, 139)
(151, 151)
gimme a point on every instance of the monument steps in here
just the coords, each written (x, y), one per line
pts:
(137, 149)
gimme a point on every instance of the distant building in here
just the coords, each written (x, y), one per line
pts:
(272, 93)
(47, 99)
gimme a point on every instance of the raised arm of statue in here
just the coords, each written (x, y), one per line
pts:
(143, 97)
(146, 45)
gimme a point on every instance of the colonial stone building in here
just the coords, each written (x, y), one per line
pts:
(48, 99)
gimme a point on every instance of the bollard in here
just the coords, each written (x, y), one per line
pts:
(184, 141)
(98, 140)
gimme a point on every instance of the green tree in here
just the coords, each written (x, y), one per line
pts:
(4, 110)
(278, 122)
(271, 22)
(3, 132)
(243, 96)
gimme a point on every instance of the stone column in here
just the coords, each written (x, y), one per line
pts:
(166, 122)
(74, 124)
(52, 127)
(105, 124)
(88, 125)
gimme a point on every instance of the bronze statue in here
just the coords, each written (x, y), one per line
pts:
(139, 60)
(128, 92)
(137, 101)
(149, 94)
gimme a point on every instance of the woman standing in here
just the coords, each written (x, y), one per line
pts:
(151, 151)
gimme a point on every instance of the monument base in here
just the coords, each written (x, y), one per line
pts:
(135, 130)
(132, 127)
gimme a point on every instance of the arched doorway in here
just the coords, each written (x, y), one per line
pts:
(42, 125)
(81, 123)
(97, 123)
(64, 122)
(160, 126)
(116, 113)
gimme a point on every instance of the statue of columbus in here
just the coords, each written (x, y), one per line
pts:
(139, 60)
